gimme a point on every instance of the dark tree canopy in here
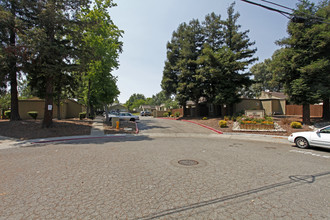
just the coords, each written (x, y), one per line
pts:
(209, 60)
(305, 57)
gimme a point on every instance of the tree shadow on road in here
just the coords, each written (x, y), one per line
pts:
(93, 140)
(294, 179)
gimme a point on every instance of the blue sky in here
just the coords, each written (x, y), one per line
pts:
(149, 24)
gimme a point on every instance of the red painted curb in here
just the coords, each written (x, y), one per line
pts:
(204, 126)
(174, 119)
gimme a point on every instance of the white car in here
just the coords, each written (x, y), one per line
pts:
(319, 138)
(124, 116)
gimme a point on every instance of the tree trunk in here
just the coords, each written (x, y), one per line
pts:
(88, 98)
(48, 116)
(184, 110)
(326, 109)
(198, 112)
(92, 112)
(306, 114)
(230, 109)
(58, 108)
(14, 115)
(58, 103)
(106, 113)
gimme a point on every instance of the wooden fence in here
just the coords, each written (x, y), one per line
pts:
(316, 110)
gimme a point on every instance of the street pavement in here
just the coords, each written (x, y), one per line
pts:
(188, 173)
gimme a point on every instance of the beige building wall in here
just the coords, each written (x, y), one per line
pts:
(274, 106)
(68, 108)
(267, 106)
(248, 104)
(278, 106)
(73, 109)
(26, 106)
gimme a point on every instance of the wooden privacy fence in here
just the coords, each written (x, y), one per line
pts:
(180, 110)
(316, 110)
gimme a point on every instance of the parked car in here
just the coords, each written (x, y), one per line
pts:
(124, 116)
(319, 138)
(145, 113)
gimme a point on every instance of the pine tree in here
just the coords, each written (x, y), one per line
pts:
(239, 56)
(51, 49)
(223, 63)
(180, 72)
(208, 61)
(305, 57)
(11, 23)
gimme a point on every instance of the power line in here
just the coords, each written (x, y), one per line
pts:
(293, 17)
(267, 7)
(273, 3)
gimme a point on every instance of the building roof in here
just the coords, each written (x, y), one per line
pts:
(147, 106)
(273, 95)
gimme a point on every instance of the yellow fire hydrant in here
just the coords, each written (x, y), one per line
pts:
(117, 124)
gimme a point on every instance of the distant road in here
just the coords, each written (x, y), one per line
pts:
(150, 125)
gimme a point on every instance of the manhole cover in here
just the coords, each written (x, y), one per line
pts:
(188, 162)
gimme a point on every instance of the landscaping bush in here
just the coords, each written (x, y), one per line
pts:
(177, 114)
(7, 114)
(286, 121)
(226, 118)
(223, 124)
(82, 115)
(165, 114)
(33, 114)
(295, 124)
(204, 118)
(252, 120)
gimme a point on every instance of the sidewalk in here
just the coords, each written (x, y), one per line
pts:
(97, 129)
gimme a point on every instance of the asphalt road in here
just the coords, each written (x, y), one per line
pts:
(139, 177)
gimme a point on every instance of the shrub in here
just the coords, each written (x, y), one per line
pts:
(33, 114)
(177, 114)
(204, 118)
(223, 124)
(286, 121)
(226, 118)
(165, 114)
(82, 115)
(295, 124)
(268, 118)
(7, 114)
(252, 120)
(238, 118)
